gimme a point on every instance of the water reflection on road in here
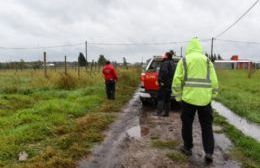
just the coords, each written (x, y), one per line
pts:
(248, 128)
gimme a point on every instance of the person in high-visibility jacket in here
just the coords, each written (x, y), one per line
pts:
(195, 84)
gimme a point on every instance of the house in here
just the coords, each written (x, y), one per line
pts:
(234, 63)
(49, 65)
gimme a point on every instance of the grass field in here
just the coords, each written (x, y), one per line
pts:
(246, 150)
(56, 120)
(240, 94)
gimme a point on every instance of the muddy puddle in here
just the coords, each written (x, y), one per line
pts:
(134, 132)
(248, 128)
(128, 142)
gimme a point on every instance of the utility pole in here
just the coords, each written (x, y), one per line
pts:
(211, 51)
(181, 51)
(86, 50)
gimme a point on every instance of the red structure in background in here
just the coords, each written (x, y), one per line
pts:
(242, 64)
(234, 58)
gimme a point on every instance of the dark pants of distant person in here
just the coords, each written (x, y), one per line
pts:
(164, 101)
(205, 119)
(110, 89)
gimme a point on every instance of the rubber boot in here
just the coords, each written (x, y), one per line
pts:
(208, 158)
(167, 110)
(159, 108)
(186, 151)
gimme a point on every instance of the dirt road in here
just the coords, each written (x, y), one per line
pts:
(140, 140)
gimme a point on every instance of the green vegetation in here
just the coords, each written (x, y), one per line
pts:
(246, 150)
(178, 157)
(164, 144)
(240, 94)
(57, 120)
(175, 154)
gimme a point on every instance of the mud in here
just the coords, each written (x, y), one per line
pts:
(248, 128)
(108, 154)
(128, 142)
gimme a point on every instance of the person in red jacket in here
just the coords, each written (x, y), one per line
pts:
(111, 78)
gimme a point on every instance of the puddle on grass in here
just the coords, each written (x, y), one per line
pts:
(223, 142)
(138, 131)
(248, 128)
(134, 132)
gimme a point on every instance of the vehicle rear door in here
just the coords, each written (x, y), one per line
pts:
(151, 75)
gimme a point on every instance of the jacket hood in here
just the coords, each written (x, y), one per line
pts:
(194, 46)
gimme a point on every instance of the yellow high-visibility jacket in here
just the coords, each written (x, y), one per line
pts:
(195, 80)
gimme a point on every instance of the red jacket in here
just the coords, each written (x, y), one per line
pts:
(109, 72)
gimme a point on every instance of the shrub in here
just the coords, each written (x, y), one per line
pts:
(66, 81)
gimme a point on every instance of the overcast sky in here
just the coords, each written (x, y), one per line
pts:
(36, 23)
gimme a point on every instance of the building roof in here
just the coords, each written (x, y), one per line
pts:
(234, 61)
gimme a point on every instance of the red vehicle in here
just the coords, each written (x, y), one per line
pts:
(149, 79)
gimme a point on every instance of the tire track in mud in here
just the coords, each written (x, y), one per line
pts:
(108, 153)
(128, 142)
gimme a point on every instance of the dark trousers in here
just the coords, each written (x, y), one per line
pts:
(205, 119)
(110, 89)
(164, 100)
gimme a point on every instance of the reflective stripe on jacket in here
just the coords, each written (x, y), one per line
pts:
(195, 80)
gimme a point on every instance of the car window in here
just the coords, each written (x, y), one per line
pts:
(155, 65)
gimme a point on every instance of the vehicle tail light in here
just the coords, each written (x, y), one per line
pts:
(142, 79)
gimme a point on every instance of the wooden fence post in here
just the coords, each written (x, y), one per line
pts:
(16, 67)
(44, 64)
(86, 49)
(91, 67)
(65, 62)
(78, 70)
(249, 69)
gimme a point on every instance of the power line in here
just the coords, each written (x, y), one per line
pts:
(131, 43)
(234, 41)
(246, 12)
(144, 43)
(41, 47)
(136, 43)
(98, 43)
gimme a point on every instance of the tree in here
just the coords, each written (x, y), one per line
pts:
(206, 54)
(102, 60)
(214, 58)
(82, 60)
(37, 64)
(219, 57)
(115, 64)
(22, 64)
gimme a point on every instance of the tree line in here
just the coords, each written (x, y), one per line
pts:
(214, 57)
(101, 60)
(82, 62)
